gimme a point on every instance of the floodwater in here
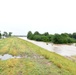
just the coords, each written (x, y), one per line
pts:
(64, 50)
(8, 56)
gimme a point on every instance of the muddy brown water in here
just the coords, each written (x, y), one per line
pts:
(64, 50)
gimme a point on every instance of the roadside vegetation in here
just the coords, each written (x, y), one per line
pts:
(34, 60)
(63, 38)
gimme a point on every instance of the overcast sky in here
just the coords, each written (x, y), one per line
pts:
(53, 16)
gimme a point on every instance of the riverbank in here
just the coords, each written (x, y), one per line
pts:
(61, 49)
(28, 58)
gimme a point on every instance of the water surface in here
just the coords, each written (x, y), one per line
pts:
(8, 56)
(64, 50)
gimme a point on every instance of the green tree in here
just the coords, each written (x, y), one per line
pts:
(36, 33)
(37, 37)
(29, 35)
(57, 39)
(5, 34)
(0, 35)
(46, 34)
(44, 38)
(74, 35)
(50, 37)
(10, 34)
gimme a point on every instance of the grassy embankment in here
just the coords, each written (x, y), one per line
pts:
(34, 61)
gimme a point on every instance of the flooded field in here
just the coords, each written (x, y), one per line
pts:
(64, 50)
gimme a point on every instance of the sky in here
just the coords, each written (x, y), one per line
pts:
(53, 16)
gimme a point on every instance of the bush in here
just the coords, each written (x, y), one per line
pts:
(44, 38)
(63, 38)
(29, 35)
(37, 37)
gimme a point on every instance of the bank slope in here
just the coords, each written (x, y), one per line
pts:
(34, 60)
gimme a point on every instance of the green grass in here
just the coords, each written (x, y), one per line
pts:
(35, 60)
(73, 58)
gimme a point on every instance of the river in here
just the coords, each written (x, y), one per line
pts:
(61, 49)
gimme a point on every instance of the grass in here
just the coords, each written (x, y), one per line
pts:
(35, 60)
(73, 58)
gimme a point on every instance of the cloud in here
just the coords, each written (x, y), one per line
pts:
(53, 16)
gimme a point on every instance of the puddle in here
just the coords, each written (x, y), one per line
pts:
(8, 56)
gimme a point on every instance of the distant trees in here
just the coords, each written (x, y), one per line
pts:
(74, 35)
(36, 33)
(46, 34)
(56, 38)
(5, 34)
(10, 34)
(63, 38)
(29, 35)
(39, 37)
(0, 35)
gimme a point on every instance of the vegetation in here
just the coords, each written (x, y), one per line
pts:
(56, 38)
(5, 34)
(34, 60)
(73, 58)
(0, 35)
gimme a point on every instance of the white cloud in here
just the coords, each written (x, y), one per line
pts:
(54, 16)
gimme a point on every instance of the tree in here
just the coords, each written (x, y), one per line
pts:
(5, 34)
(50, 37)
(63, 38)
(46, 34)
(74, 35)
(57, 39)
(10, 34)
(36, 33)
(0, 35)
(30, 35)
(37, 37)
(70, 35)
(44, 38)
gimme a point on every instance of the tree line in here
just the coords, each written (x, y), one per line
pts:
(5, 34)
(63, 38)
